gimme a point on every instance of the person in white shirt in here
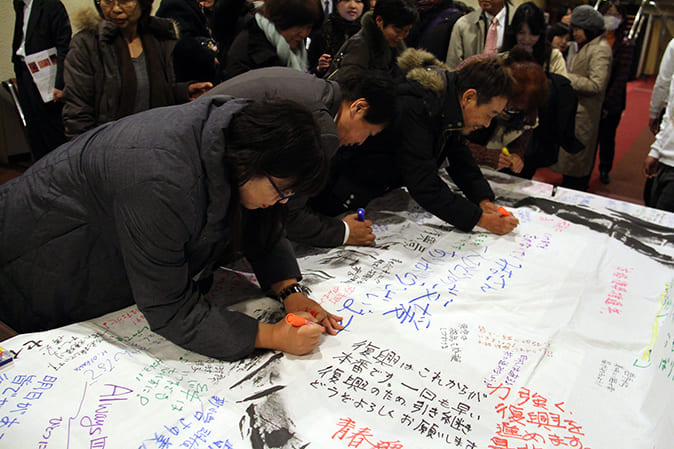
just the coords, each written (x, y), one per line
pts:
(659, 163)
(470, 35)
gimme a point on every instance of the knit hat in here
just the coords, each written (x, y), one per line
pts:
(587, 18)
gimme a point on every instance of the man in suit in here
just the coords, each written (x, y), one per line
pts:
(40, 25)
(471, 33)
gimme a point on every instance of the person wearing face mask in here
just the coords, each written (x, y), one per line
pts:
(137, 212)
(589, 75)
(341, 24)
(379, 42)
(275, 35)
(616, 91)
(436, 109)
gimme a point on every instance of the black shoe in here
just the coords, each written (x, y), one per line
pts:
(603, 177)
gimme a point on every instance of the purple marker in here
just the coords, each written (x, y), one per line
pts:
(361, 214)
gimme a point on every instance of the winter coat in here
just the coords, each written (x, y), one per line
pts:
(187, 14)
(139, 211)
(330, 38)
(431, 123)
(250, 50)
(365, 50)
(426, 134)
(556, 125)
(616, 90)
(93, 84)
(323, 98)
(589, 74)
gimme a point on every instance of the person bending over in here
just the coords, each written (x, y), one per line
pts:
(361, 105)
(436, 108)
(135, 211)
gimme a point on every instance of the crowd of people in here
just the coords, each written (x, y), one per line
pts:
(220, 128)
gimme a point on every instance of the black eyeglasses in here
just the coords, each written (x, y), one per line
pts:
(282, 195)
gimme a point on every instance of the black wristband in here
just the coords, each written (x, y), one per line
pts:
(294, 288)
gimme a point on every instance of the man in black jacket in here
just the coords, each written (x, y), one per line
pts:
(359, 106)
(435, 110)
(40, 25)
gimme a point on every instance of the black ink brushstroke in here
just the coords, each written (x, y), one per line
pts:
(278, 355)
(629, 230)
(262, 393)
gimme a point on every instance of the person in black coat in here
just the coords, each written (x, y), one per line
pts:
(340, 25)
(136, 211)
(275, 35)
(48, 26)
(436, 108)
(195, 53)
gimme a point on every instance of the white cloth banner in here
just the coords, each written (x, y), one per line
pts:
(560, 334)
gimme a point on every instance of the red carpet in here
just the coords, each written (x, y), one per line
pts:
(633, 140)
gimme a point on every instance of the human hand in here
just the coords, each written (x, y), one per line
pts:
(503, 161)
(488, 207)
(58, 94)
(195, 90)
(498, 223)
(360, 232)
(324, 62)
(299, 302)
(654, 125)
(516, 163)
(285, 337)
(650, 167)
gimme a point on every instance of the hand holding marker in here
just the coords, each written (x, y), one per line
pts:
(502, 210)
(298, 321)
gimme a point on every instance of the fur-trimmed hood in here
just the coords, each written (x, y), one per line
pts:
(424, 68)
(89, 20)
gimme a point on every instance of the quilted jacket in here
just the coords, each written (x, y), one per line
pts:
(133, 212)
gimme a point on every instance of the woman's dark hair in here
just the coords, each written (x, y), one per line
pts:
(378, 89)
(488, 76)
(278, 138)
(286, 14)
(558, 29)
(530, 14)
(399, 13)
(562, 10)
(145, 10)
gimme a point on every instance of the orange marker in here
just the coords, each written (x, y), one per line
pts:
(502, 210)
(298, 321)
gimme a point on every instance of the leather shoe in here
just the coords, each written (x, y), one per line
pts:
(603, 177)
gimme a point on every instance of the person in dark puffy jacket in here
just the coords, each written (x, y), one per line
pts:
(137, 211)
(340, 25)
(275, 35)
(120, 64)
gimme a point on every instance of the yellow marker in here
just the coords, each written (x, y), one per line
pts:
(505, 151)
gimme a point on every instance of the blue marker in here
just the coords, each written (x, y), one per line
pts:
(361, 214)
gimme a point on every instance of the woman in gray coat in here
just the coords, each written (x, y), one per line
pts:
(120, 64)
(134, 211)
(589, 74)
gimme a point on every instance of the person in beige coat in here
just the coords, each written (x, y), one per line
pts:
(589, 75)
